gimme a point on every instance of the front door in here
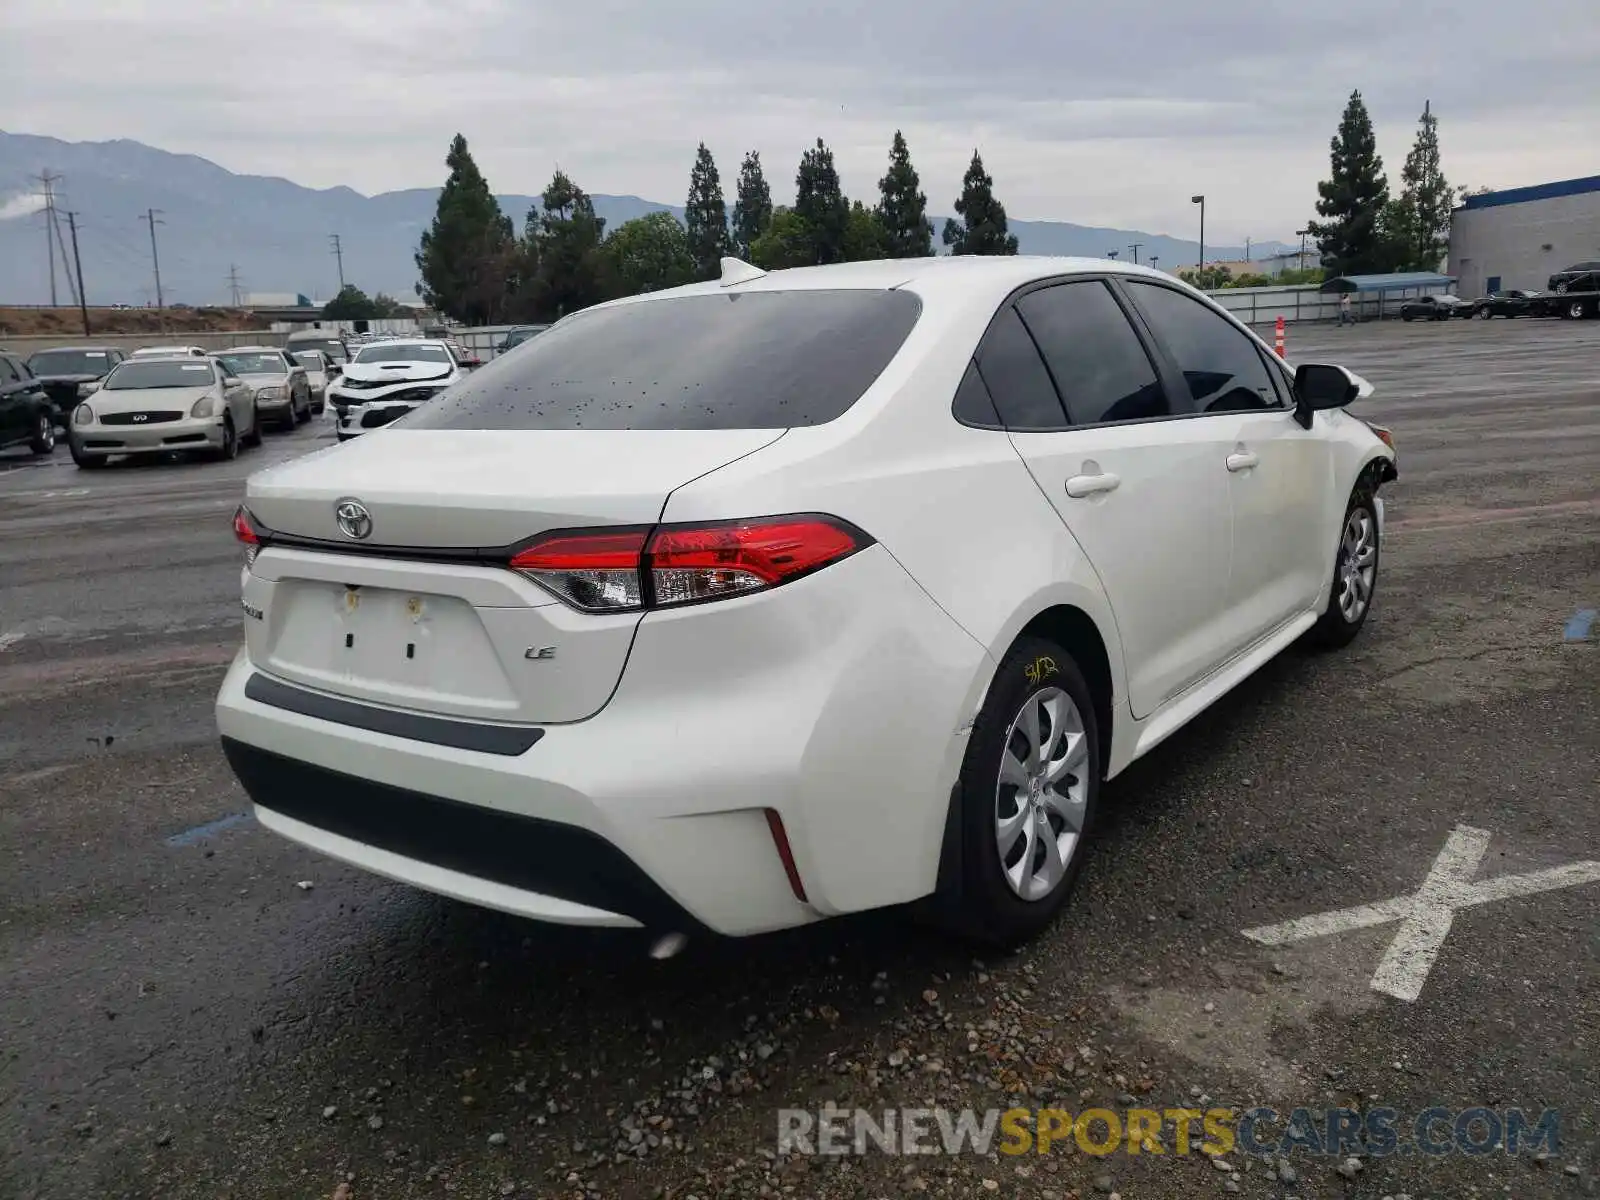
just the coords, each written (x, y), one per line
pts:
(13, 403)
(1145, 496)
(1279, 475)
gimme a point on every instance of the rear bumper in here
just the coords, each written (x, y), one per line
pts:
(839, 702)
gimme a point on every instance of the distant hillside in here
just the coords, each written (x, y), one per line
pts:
(277, 235)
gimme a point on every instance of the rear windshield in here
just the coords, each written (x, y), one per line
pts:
(70, 362)
(159, 373)
(311, 360)
(255, 364)
(752, 360)
(402, 353)
(332, 347)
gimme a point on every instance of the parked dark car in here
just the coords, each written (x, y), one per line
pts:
(1434, 308)
(1576, 291)
(27, 418)
(1514, 302)
(67, 371)
(518, 334)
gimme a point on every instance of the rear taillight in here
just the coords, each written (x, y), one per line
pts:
(597, 572)
(244, 529)
(620, 570)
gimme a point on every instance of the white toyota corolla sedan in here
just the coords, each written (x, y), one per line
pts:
(758, 601)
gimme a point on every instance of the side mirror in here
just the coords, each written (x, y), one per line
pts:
(1322, 386)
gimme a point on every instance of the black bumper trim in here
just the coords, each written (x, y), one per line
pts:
(509, 740)
(536, 855)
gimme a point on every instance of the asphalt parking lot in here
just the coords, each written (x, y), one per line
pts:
(191, 1007)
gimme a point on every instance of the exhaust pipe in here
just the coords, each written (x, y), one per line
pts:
(667, 945)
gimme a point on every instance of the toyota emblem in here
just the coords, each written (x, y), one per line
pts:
(354, 519)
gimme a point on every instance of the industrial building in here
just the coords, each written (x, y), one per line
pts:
(1518, 238)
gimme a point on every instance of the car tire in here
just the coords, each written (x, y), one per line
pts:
(44, 434)
(1353, 588)
(1405, 317)
(1000, 903)
(230, 442)
(252, 438)
(88, 462)
(301, 415)
(1484, 313)
(1577, 310)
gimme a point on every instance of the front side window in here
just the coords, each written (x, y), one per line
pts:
(8, 373)
(1221, 364)
(1099, 365)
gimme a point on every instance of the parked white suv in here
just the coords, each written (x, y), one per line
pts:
(758, 601)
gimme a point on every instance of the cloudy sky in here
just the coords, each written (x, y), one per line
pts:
(1086, 111)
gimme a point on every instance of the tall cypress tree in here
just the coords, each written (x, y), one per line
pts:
(752, 211)
(465, 257)
(820, 203)
(983, 227)
(706, 215)
(1427, 195)
(902, 206)
(564, 235)
(1352, 238)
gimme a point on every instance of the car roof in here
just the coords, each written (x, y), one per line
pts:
(391, 343)
(247, 350)
(978, 279)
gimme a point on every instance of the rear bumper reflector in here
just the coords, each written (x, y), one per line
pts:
(781, 839)
(438, 731)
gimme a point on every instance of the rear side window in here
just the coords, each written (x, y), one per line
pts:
(751, 360)
(1011, 367)
(1221, 365)
(973, 404)
(1100, 367)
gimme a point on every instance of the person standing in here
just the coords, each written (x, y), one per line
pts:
(1344, 309)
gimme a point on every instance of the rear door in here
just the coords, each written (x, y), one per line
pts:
(1144, 493)
(1279, 475)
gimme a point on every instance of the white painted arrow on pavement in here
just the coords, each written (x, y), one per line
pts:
(1425, 915)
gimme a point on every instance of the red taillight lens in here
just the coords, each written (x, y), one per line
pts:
(709, 563)
(619, 570)
(244, 529)
(597, 572)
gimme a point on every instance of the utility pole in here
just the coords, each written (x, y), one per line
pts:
(1135, 248)
(338, 253)
(234, 285)
(1303, 233)
(1247, 249)
(155, 259)
(77, 263)
(51, 230)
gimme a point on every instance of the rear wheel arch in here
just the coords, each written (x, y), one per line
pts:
(1075, 632)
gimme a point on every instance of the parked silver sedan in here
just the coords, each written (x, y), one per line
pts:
(282, 391)
(158, 406)
(319, 370)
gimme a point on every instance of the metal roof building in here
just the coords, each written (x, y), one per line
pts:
(1519, 237)
(1396, 281)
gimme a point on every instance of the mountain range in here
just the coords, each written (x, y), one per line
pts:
(216, 230)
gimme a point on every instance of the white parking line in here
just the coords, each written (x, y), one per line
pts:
(1426, 915)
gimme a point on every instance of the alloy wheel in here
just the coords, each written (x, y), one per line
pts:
(1042, 794)
(1358, 565)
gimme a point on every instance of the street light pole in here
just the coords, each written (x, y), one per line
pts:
(1111, 254)
(1201, 201)
(1303, 233)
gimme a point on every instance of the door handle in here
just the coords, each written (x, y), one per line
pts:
(1241, 460)
(1079, 486)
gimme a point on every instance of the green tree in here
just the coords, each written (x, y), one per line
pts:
(388, 306)
(902, 206)
(562, 268)
(983, 228)
(1294, 276)
(865, 238)
(351, 304)
(1428, 195)
(1395, 245)
(1207, 279)
(706, 215)
(466, 257)
(787, 242)
(752, 211)
(647, 254)
(820, 203)
(1352, 199)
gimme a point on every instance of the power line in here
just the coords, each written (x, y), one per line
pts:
(1134, 246)
(338, 253)
(83, 303)
(152, 220)
(234, 285)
